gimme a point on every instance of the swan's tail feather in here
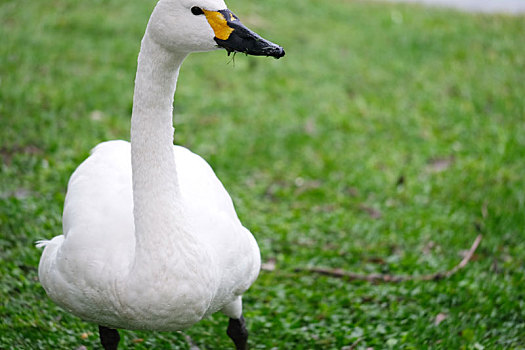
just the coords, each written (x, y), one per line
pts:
(42, 243)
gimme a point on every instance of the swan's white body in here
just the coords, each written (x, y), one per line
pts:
(151, 238)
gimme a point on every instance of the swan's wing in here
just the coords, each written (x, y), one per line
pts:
(99, 198)
(199, 183)
(97, 219)
(235, 247)
(78, 269)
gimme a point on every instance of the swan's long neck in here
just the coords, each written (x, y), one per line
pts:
(156, 192)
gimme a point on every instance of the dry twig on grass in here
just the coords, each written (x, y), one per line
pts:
(376, 277)
(353, 346)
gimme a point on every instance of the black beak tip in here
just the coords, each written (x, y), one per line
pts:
(271, 50)
(279, 52)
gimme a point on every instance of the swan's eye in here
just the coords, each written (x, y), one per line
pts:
(197, 11)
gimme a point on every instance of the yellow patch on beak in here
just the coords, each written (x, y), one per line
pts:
(219, 24)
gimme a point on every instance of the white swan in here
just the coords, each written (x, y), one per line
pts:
(151, 238)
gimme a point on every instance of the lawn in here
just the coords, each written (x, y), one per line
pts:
(385, 141)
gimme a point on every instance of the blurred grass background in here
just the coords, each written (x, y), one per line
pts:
(387, 138)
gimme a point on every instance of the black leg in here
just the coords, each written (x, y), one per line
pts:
(238, 333)
(108, 337)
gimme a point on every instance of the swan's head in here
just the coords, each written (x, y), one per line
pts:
(203, 25)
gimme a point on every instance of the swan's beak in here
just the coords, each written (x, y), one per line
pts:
(233, 36)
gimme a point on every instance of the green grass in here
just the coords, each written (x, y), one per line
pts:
(311, 147)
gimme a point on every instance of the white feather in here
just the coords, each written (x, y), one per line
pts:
(150, 237)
